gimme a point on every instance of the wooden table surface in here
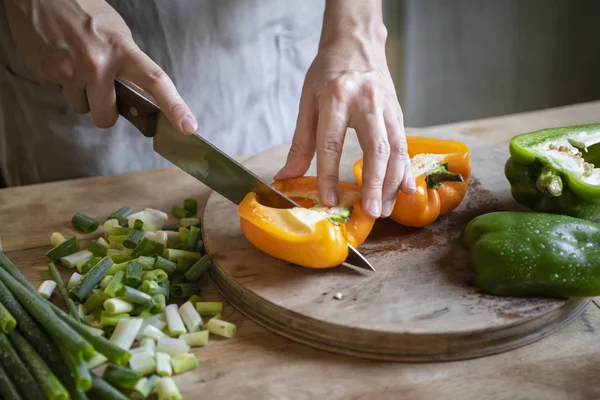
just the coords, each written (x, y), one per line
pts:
(258, 364)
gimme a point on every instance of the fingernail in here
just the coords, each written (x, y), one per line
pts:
(189, 124)
(412, 186)
(387, 209)
(332, 197)
(374, 208)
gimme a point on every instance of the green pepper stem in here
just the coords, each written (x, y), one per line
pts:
(439, 175)
(549, 182)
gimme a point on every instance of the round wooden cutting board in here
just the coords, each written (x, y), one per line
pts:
(420, 305)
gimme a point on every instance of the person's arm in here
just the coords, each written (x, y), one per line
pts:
(349, 85)
(79, 47)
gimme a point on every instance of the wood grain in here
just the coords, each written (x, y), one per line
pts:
(259, 364)
(420, 305)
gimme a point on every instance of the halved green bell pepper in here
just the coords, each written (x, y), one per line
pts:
(552, 170)
(534, 254)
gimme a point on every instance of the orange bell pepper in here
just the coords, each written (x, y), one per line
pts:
(312, 236)
(442, 170)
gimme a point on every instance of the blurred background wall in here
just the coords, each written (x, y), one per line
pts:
(455, 60)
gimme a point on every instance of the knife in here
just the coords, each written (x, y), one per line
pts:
(202, 160)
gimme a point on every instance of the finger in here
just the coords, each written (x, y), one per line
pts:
(396, 165)
(76, 99)
(331, 131)
(408, 184)
(373, 139)
(103, 102)
(140, 68)
(304, 143)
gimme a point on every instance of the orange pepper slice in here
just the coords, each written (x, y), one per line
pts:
(423, 207)
(305, 236)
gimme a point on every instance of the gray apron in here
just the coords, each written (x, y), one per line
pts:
(239, 65)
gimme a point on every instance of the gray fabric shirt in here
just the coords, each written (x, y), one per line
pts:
(239, 65)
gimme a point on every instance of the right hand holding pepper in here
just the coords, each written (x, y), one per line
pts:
(79, 48)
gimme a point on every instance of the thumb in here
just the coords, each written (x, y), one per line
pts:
(304, 143)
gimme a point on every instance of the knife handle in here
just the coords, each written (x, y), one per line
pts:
(137, 107)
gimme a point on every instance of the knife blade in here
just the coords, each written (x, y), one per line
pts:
(202, 160)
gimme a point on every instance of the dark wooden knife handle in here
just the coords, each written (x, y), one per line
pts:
(137, 107)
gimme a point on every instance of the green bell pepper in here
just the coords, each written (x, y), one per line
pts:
(525, 254)
(552, 170)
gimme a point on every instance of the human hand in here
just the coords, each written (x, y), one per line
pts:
(349, 85)
(79, 47)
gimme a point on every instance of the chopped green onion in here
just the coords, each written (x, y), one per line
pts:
(184, 266)
(153, 320)
(56, 239)
(180, 212)
(183, 234)
(146, 247)
(150, 235)
(95, 300)
(193, 237)
(140, 350)
(116, 246)
(107, 319)
(39, 309)
(134, 273)
(92, 320)
(103, 242)
(109, 225)
(95, 331)
(17, 369)
(148, 343)
(173, 237)
(135, 296)
(79, 264)
(115, 285)
(209, 308)
(117, 238)
(119, 231)
(190, 317)
(158, 303)
(84, 287)
(76, 277)
(120, 258)
(96, 360)
(165, 264)
(153, 219)
(149, 286)
(97, 249)
(216, 316)
(183, 290)
(104, 390)
(85, 268)
(63, 290)
(178, 277)
(118, 267)
(174, 321)
(167, 390)
(125, 332)
(68, 247)
(147, 262)
(138, 225)
(133, 238)
(121, 377)
(154, 333)
(191, 205)
(163, 364)
(183, 363)
(7, 321)
(84, 222)
(117, 306)
(121, 214)
(79, 369)
(161, 237)
(171, 346)
(105, 281)
(157, 275)
(174, 254)
(195, 299)
(195, 339)
(163, 288)
(143, 363)
(221, 328)
(187, 222)
(70, 260)
(46, 289)
(198, 269)
(144, 387)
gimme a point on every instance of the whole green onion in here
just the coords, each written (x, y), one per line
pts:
(17, 370)
(62, 289)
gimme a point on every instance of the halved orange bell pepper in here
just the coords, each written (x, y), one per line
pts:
(442, 170)
(313, 236)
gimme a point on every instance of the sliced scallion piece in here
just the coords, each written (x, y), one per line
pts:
(84, 287)
(90, 264)
(84, 222)
(95, 300)
(146, 247)
(183, 363)
(46, 289)
(76, 277)
(135, 296)
(158, 303)
(56, 238)
(183, 290)
(149, 286)
(109, 225)
(80, 371)
(209, 308)
(163, 364)
(62, 290)
(97, 249)
(187, 222)
(138, 225)
(198, 269)
(195, 299)
(117, 306)
(143, 363)
(183, 266)
(144, 387)
(195, 339)
(121, 215)
(193, 238)
(171, 346)
(105, 390)
(174, 254)
(115, 285)
(133, 238)
(71, 260)
(107, 319)
(166, 265)
(121, 377)
(125, 332)
(103, 242)
(161, 237)
(105, 281)
(154, 333)
(190, 317)
(167, 390)
(116, 238)
(68, 247)
(134, 273)
(120, 231)
(221, 328)
(96, 360)
(180, 212)
(148, 343)
(191, 205)
(157, 275)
